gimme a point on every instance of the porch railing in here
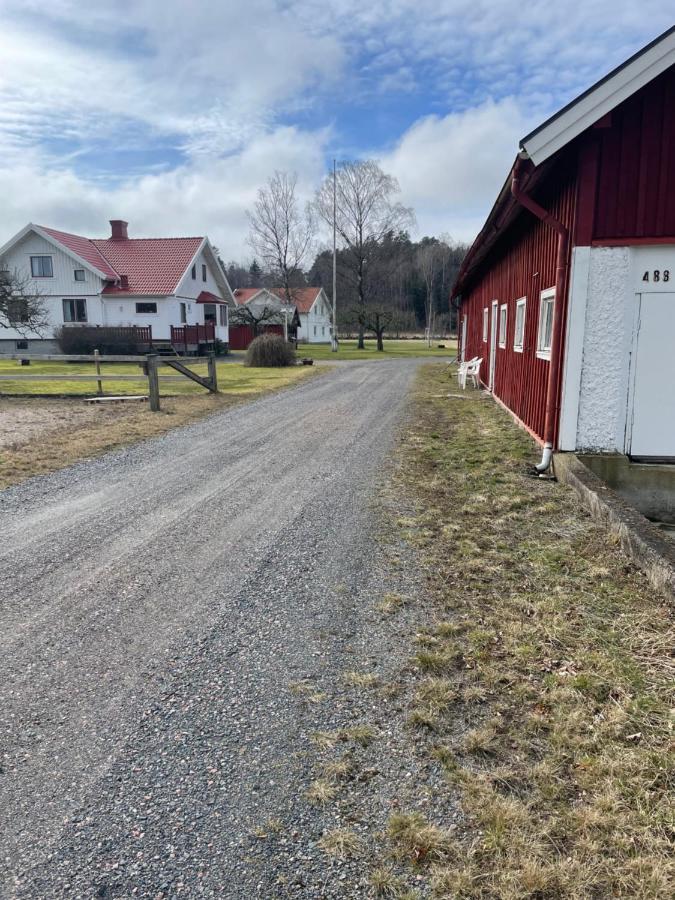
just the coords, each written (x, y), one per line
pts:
(193, 335)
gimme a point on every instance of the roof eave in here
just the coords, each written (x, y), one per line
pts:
(601, 98)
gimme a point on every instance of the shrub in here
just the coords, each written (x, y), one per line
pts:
(269, 350)
(106, 341)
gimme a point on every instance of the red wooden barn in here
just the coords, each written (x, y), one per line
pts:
(568, 292)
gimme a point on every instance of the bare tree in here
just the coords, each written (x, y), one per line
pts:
(364, 213)
(429, 259)
(255, 316)
(22, 306)
(280, 233)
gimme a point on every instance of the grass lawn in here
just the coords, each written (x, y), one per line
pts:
(543, 688)
(392, 350)
(119, 425)
(234, 379)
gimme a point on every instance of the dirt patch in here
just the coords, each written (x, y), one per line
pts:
(25, 421)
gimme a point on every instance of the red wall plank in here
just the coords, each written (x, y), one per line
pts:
(637, 166)
(522, 265)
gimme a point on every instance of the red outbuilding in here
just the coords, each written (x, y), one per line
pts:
(568, 292)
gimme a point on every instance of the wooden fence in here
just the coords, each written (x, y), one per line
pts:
(149, 365)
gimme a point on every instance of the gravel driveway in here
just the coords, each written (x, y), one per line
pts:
(156, 605)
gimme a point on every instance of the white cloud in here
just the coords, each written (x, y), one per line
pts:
(197, 198)
(211, 85)
(451, 168)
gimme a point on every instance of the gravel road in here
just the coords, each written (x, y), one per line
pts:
(156, 605)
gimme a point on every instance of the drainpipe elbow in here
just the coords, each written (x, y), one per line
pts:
(546, 458)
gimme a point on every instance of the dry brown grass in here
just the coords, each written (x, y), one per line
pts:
(321, 791)
(547, 683)
(131, 423)
(361, 679)
(341, 843)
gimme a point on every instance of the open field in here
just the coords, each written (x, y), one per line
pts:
(40, 435)
(543, 687)
(392, 350)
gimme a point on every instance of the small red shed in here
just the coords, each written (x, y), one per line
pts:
(568, 292)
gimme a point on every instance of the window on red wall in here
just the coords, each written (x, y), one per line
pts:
(485, 325)
(502, 325)
(519, 327)
(545, 332)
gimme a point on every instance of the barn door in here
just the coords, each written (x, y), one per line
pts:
(493, 342)
(653, 413)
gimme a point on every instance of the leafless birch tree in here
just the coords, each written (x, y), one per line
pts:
(365, 213)
(280, 232)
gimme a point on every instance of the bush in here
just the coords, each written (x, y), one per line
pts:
(269, 350)
(106, 341)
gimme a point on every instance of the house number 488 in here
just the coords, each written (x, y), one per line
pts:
(657, 275)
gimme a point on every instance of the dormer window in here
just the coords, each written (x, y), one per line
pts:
(79, 275)
(194, 272)
(41, 267)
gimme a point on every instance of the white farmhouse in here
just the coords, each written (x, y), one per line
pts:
(172, 290)
(315, 315)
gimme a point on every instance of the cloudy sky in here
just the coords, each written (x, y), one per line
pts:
(170, 113)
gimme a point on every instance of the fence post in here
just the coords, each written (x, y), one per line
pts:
(153, 382)
(213, 374)
(99, 383)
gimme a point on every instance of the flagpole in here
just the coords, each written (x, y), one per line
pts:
(334, 341)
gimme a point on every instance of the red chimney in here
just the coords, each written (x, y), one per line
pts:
(119, 230)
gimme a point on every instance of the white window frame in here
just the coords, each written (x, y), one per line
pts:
(503, 324)
(84, 275)
(42, 256)
(520, 304)
(75, 301)
(146, 312)
(222, 316)
(546, 303)
(485, 324)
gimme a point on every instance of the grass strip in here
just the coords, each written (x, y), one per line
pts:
(545, 687)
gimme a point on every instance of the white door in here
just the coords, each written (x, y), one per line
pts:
(653, 419)
(493, 342)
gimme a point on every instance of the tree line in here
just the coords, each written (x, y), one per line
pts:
(386, 282)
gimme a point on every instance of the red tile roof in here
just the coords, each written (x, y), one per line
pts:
(152, 265)
(243, 295)
(302, 297)
(208, 297)
(84, 249)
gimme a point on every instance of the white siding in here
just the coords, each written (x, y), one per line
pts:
(190, 289)
(315, 326)
(63, 283)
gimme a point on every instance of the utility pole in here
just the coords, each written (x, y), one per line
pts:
(334, 342)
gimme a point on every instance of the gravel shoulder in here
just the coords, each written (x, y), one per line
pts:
(172, 615)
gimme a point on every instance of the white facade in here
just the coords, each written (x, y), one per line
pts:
(619, 367)
(315, 325)
(111, 309)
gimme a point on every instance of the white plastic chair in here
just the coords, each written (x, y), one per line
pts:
(470, 369)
